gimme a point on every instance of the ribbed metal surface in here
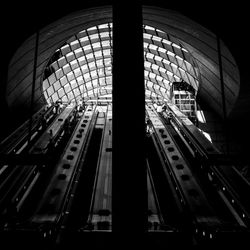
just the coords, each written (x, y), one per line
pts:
(199, 41)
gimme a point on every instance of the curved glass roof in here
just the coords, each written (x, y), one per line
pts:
(82, 67)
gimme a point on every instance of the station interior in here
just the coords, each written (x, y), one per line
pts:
(124, 124)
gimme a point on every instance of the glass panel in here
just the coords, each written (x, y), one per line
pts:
(65, 98)
(106, 52)
(70, 56)
(94, 36)
(50, 91)
(62, 61)
(80, 80)
(92, 28)
(59, 73)
(66, 69)
(87, 47)
(104, 34)
(86, 77)
(61, 92)
(93, 74)
(76, 92)
(70, 95)
(45, 84)
(45, 95)
(109, 80)
(96, 45)
(67, 88)
(95, 83)
(55, 97)
(84, 39)
(57, 85)
(89, 56)
(106, 43)
(98, 54)
(52, 78)
(88, 85)
(77, 72)
(65, 49)
(79, 52)
(70, 76)
(84, 68)
(73, 84)
(102, 26)
(74, 43)
(74, 64)
(63, 80)
(102, 81)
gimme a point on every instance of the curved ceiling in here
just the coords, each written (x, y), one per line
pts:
(82, 67)
(174, 35)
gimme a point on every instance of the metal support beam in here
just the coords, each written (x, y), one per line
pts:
(33, 84)
(224, 110)
(129, 188)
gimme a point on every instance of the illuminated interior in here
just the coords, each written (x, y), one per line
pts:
(81, 69)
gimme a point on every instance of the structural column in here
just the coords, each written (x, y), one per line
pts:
(223, 98)
(33, 83)
(129, 186)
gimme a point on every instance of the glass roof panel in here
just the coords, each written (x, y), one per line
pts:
(84, 65)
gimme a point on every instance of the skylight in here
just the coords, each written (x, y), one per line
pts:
(82, 67)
